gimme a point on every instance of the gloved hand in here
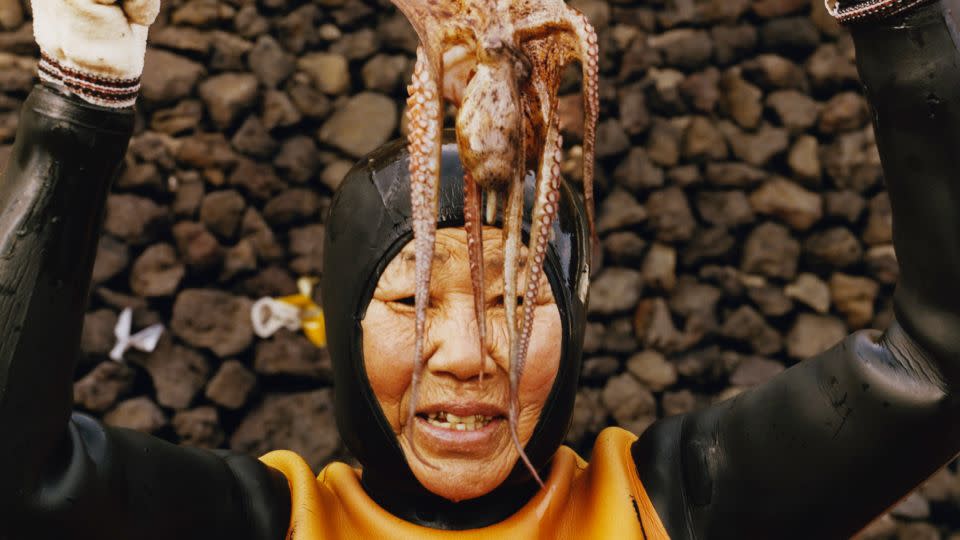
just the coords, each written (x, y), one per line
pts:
(94, 48)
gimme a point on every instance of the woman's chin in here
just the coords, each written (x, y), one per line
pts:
(460, 465)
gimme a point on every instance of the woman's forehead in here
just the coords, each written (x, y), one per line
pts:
(450, 254)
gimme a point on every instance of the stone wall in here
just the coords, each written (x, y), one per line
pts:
(740, 201)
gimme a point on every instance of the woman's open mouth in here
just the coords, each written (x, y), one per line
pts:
(471, 428)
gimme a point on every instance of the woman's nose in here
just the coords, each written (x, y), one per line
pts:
(457, 343)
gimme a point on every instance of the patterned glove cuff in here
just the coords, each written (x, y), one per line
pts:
(96, 89)
(869, 9)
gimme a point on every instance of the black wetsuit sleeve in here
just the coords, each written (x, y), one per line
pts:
(64, 475)
(831, 443)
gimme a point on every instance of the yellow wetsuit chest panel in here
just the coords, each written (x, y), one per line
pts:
(602, 499)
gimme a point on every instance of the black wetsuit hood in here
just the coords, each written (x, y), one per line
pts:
(369, 223)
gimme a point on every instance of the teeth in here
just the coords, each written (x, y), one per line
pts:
(458, 423)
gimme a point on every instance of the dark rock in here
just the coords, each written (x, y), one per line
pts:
(112, 258)
(882, 264)
(329, 72)
(852, 161)
(221, 212)
(796, 111)
(835, 247)
(270, 63)
(168, 77)
(813, 334)
(771, 300)
(810, 290)
(701, 90)
(684, 48)
(707, 244)
(771, 251)
(303, 423)
(97, 337)
(292, 206)
(804, 159)
(630, 404)
(178, 374)
(624, 248)
(205, 151)
(306, 246)
(600, 368)
(619, 337)
(199, 427)
(309, 101)
(385, 73)
(636, 172)
(589, 415)
(854, 297)
(742, 101)
(634, 115)
(156, 272)
(792, 204)
(879, 229)
(620, 211)
(615, 290)
(790, 35)
(213, 319)
(256, 179)
(229, 52)
(724, 208)
(652, 369)
(99, 390)
(670, 215)
(253, 139)
(136, 220)
(755, 371)
(279, 110)
(830, 68)
(227, 95)
(256, 230)
(231, 386)
(292, 354)
(703, 141)
(734, 174)
(198, 248)
(239, 259)
(732, 43)
(660, 267)
(680, 402)
(663, 144)
(757, 148)
(366, 121)
(747, 326)
(140, 414)
(612, 140)
(844, 112)
(774, 72)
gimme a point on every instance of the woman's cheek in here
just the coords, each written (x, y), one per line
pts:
(387, 354)
(543, 356)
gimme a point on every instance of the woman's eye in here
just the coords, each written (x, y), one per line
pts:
(409, 301)
(498, 301)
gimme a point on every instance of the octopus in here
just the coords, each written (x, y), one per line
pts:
(500, 63)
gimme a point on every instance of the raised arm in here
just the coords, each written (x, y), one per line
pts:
(831, 443)
(63, 475)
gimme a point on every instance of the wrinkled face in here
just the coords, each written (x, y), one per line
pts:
(461, 427)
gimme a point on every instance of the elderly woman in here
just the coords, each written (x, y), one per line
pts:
(815, 453)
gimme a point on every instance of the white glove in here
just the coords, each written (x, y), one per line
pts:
(94, 48)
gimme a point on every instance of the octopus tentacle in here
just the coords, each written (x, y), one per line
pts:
(513, 219)
(544, 212)
(589, 52)
(474, 228)
(424, 143)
